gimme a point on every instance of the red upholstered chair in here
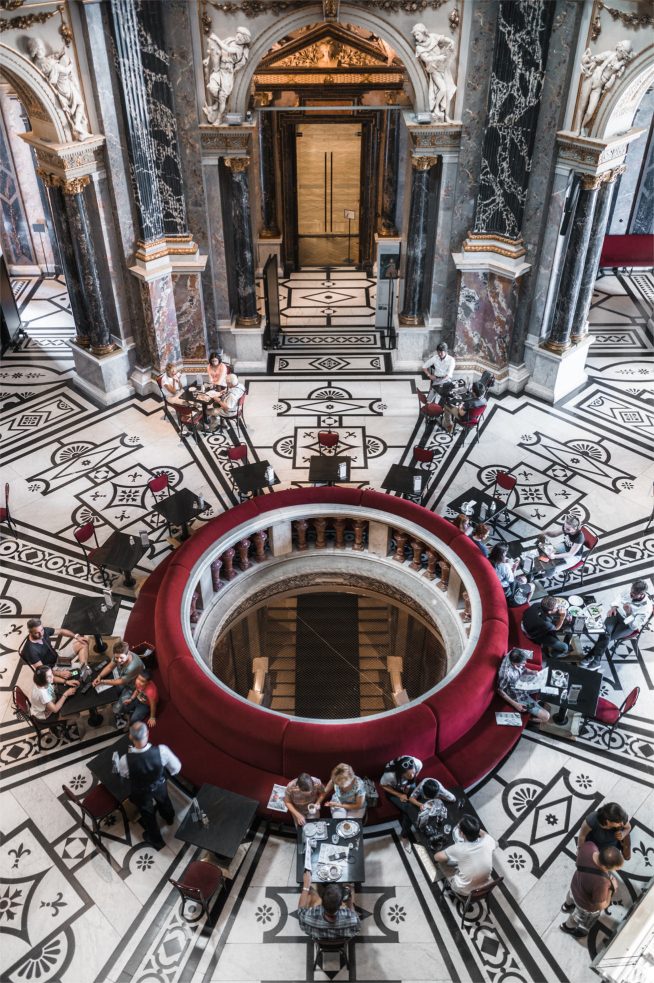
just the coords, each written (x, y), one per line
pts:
(237, 456)
(82, 534)
(23, 710)
(633, 639)
(506, 482)
(473, 421)
(423, 458)
(432, 413)
(590, 542)
(188, 418)
(240, 422)
(95, 806)
(327, 441)
(160, 483)
(610, 714)
(159, 381)
(5, 514)
(199, 883)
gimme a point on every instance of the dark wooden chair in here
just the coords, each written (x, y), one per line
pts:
(471, 422)
(95, 806)
(327, 441)
(432, 413)
(590, 542)
(82, 534)
(610, 714)
(322, 946)
(23, 711)
(479, 894)
(199, 883)
(5, 514)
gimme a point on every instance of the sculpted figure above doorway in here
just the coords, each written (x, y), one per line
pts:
(224, 59)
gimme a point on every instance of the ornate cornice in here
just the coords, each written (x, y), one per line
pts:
(70, 160)
(588, 155)
(433, 136)
(225, 140)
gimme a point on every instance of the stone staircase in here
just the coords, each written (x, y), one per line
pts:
(374, 648)
(280, 638)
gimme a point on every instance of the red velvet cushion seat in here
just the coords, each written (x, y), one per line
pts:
(99, 802)
(202, 876)
(483, 747)
(607, 712)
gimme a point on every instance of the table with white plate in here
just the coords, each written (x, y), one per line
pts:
(332, 849)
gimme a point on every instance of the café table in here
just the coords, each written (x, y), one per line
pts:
(325, 469)
(485, 508)
(590, 682)
(196, 397)
(91, 699)
(230, 817)
(400, 479)
(455, 811)
(92, 616)
(121, 551)
(179, 508)
(354, 870)
(102, 767)
(251, 478)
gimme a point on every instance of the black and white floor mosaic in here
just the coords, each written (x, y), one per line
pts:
(66, 912)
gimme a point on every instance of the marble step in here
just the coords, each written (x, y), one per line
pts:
(373, 651)
(373, 704)
(285, 689)
(371, 689)
(370, 664)
(285, 703)
(286, 676)
(282, 664)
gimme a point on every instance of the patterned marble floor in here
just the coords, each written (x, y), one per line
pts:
(67, 914)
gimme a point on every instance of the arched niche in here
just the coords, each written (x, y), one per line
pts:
(47, 119)
(350, 13)
(617, 110)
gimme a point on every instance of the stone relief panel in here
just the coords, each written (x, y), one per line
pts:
(599, 73)
(58, 71)
(223, 60)
(435, 52)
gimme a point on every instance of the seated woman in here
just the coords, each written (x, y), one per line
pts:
(45, 705)
(217, 371)
(399, 782)
(171, 385)
(480, 535)
(302, 797)
(345, 794)
(515, 584)
(608, 826)
(463, 523)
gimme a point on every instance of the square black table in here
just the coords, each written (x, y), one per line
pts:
(122, 551)
(179, 508)
(89, 700)
(354, 870)
(455, 811)
(196, 399)
(590, 682)
(483, 502)
(400, 479)
(92, 616)
(230, 817)
(251, 478)
(323, 468)
(102, 767)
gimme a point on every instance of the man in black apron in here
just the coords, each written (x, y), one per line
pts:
(145, 766)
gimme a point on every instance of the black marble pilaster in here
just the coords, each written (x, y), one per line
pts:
(86, 260)
(390, 173)
(270, 228)
(155, 60)
(573, 268)
(243, 254)
(134, 98)
(414, 276)
(593, 253)
(71, 273)
(519, 59)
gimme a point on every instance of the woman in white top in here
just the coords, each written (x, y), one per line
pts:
(345, 794)
(171, 384)
(44, 704)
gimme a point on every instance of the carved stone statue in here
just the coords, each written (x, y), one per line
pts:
(599, 73)
(435, 53)
(224, 58)
(58, 70)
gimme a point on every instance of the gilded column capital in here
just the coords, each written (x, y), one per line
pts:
(591, 182)
(611, 176)
(69, 186)
(423, 162)
(237, 165)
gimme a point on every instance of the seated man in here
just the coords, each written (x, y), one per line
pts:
(399, 781)
(568, 544)
(123, 668)
(142, 703)
(330, 918)
(228, 406)
(45, 705)
(591, 889)
(628, 614)
(541, 622)
(37, 649)
(303, 793)
(469, 864)
(439, 367)
(462, 411)
(513, 668)
(146, 767)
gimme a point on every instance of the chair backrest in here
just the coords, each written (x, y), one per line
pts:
(159, 482)
(21, 703)
(631, 701)
(68, 792)
(240, 405)
(422, 398)
(327, 439)
(84, 533)
(482, 892)
(7, 495)
(475, 414)
(187, 891)
(184, 414)
(238, 453)
(505, 480)
(590, 539)
(423, 454)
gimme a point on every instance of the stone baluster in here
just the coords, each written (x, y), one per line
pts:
(432, 560)
(196, 606)
(243, 549)
(215, 574)
(359, 526)
(339, 526)
(228, 561)
(417, 548)
(400, 543)
(242, 245)
(320, 525)
(260, 538)
(301, 526)
(412, 307)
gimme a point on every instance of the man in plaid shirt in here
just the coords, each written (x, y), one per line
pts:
(513, 669)
(333, 920)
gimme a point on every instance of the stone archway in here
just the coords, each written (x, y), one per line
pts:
(349, 13)
(617, 110)
(47, 119)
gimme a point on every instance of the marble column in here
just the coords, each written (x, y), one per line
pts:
(594, 251)
(269, 226)
(412, 306)
(390, 161)
(247, 315)
(67, 253)
(559, 339)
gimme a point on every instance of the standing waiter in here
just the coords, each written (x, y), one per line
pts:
(145, 766)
